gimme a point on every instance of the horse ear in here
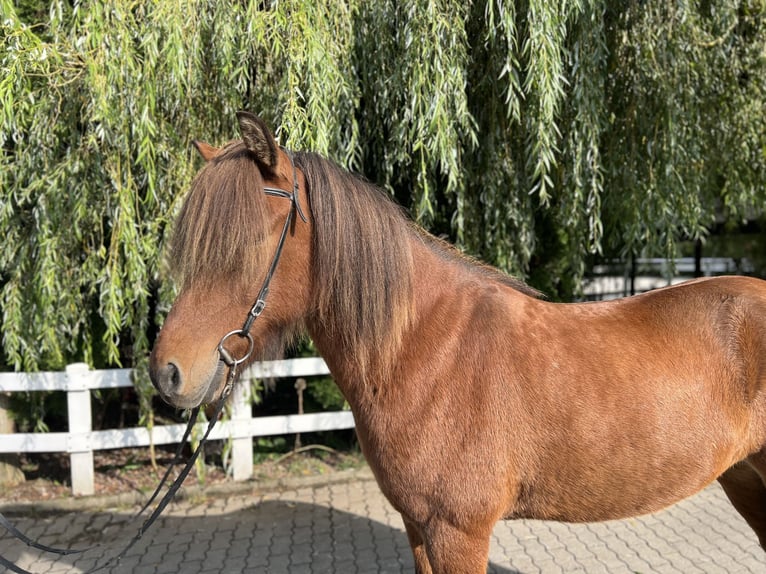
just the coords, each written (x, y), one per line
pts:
(207, 151)
(258, 139)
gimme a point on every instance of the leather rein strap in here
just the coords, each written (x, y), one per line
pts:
(152, 517)
(233, 375)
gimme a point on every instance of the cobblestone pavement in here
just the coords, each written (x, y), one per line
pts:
(348, 527)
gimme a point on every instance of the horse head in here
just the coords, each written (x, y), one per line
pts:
(240, 251)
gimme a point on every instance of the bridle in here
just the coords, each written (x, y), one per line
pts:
(230, 361)
(260, 300)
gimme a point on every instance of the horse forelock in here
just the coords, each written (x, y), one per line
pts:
(362, 263)
(222, 220)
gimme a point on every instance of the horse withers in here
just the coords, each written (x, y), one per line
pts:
(474, 399)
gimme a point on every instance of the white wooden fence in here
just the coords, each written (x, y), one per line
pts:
(81, 440)
(613, 280)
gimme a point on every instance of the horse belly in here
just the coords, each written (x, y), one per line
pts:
(580, 501)
(605, 478)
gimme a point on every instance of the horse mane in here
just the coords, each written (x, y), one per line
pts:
(362, 262)
(363, 269)
(449, 252)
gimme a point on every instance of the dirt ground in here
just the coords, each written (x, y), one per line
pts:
(125, 470)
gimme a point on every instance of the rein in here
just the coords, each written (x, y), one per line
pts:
(230, 361)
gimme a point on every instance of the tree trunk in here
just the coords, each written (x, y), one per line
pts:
(10, 469)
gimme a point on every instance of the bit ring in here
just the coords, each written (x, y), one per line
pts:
(226, 357)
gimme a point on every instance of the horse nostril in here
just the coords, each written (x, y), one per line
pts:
(170, 378)
(174, 375)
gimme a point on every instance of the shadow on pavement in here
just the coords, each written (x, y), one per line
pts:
(267, 537)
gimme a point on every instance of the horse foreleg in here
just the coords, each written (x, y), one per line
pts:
(422, 565)
(744, 484)
(454, 551)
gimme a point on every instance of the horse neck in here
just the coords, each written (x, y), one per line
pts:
(433, 279)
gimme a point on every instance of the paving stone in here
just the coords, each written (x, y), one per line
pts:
(350, 527)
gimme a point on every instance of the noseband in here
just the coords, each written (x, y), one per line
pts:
(260, 301)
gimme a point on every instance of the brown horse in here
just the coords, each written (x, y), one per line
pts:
(474, 399)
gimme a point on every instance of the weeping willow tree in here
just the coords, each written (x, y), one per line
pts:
(534, 134)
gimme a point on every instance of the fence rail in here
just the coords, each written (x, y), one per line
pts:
(620, 278)
(81, 440)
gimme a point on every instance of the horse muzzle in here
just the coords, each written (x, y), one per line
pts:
(175, 390)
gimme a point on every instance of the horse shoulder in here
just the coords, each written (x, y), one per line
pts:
(452, 409)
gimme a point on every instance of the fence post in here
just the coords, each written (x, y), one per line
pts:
(242, 441)
(10, 467)
(80, 426)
